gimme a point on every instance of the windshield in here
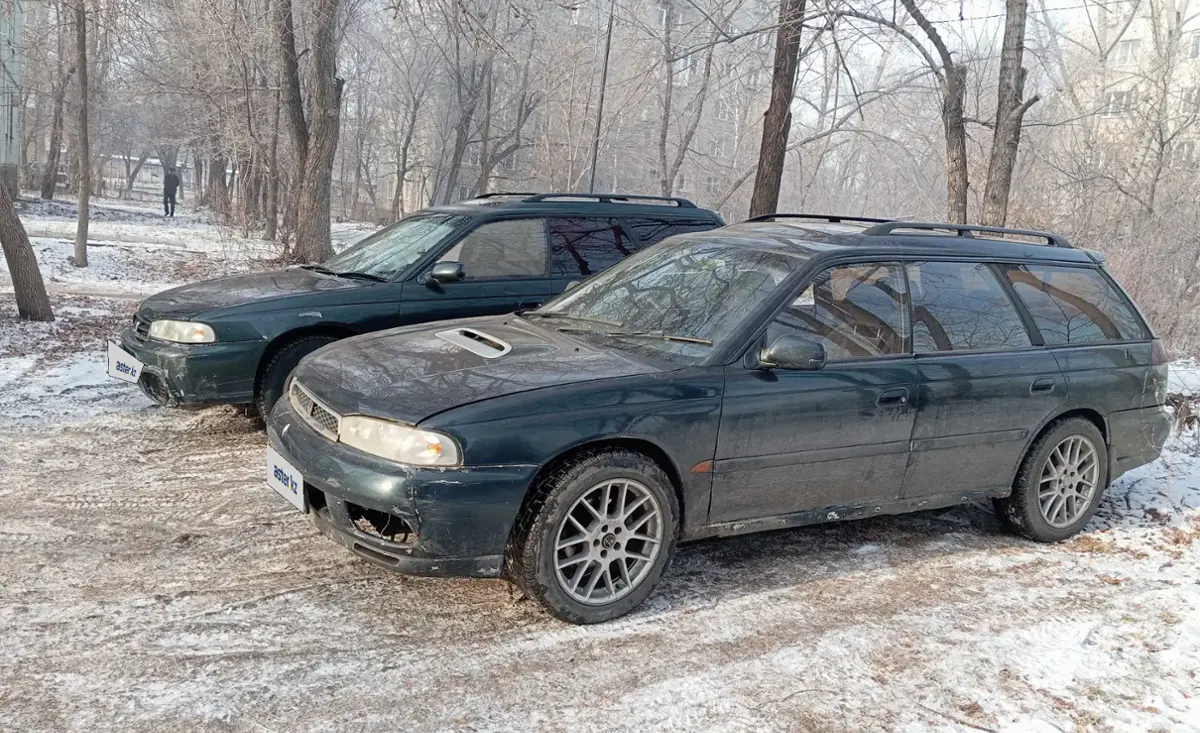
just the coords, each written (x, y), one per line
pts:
(678, 301)
(386, 253)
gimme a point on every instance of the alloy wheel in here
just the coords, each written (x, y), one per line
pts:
(1068, 481)
(608, 542)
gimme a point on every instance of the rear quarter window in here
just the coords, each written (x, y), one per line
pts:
(1075, 305)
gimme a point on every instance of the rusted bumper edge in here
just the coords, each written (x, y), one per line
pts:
(460, 518)
(202, 374)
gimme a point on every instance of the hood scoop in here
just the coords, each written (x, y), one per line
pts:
(477, 342)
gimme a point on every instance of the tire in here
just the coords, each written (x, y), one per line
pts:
(557, 512)
(279, 366)
(1064, 511)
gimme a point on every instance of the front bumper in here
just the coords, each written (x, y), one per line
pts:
(460, 518)
(1136, 437)
(200, 374)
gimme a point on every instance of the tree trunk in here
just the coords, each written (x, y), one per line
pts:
(131, 175)
(1010, 113)
(314, 241)
(85, 151)
(954, 90)
(777, 122)
(272, 228)
(50, 174)
(32, 302)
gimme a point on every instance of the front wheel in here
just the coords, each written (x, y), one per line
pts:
(1060, 483)
(595, 540)
(277, 369)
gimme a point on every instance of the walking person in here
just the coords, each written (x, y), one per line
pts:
(170, 186)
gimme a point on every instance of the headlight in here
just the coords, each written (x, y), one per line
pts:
(398, 442)
(183, 332)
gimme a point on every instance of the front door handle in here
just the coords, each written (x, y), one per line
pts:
(526, 304)
(892, 397)
(1042, 386)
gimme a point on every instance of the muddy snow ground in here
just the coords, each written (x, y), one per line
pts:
(150, 582)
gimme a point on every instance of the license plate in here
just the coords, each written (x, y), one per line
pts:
(285, 479)
(122, 365)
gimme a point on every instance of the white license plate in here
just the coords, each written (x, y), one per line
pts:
(122, 365)
(285, 479)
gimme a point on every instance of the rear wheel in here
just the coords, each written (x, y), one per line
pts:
(279, 366)
(1060, 483)
(596, 539)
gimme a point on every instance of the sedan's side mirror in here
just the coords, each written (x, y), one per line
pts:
(447, 272)
(792, 352)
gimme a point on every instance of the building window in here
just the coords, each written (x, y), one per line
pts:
(1127, 52)
(712, 186)
(717, 150)
(681, 182)
(1194, 47)
(1185, 154)
(725, 108)
(682, 71)
(1189, 101)
(1119, 104)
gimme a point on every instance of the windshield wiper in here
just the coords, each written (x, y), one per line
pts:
(570, 317)
(659, 335)
(318, 268)
(361, 276)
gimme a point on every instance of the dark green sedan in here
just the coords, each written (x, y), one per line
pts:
(234, 340)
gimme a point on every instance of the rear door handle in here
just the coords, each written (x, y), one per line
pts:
(531, 304)
(892, 397)
(1043, 385)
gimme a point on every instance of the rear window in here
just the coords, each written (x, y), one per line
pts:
(651, 230)
(582, 247)
(1072, 305)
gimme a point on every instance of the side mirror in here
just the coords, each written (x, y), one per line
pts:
(792, 352)
(447, 272)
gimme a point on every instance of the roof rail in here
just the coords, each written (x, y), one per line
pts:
(608, 198)
(832, 219)
(497, 194)
(963, 230)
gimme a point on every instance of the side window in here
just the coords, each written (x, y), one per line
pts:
(855, 311)
(1072, 305)
(653, 231)
(581, 247)
(959, 306)
(512, 248)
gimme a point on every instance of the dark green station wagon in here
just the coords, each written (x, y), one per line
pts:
(770, 374)
(234, 340)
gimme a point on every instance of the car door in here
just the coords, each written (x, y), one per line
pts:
(792, 441)
(506, 266)
(581, 246)
(985, 386)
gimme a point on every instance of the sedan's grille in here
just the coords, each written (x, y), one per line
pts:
(322, 419)
(141, 328)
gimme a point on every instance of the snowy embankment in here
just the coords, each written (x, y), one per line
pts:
(151, 582)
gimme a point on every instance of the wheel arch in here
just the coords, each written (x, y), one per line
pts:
(1086, 413)
(285, 339)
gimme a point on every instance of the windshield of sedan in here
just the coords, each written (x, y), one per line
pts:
(387, 253)
(677, 301)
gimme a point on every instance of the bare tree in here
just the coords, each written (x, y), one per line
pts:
(85, 152)
(32, 302)
(777, 122)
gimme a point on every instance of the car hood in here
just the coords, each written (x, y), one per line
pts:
(412, 373)
(189, 300)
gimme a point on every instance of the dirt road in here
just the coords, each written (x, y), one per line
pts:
(152, 582)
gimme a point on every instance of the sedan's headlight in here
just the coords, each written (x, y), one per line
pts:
(398, 442)
(183, 332)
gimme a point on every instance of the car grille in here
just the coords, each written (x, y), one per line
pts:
(141, 328)
(322, 419)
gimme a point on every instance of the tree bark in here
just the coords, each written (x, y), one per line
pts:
(1010, 113)
(85, 151)
(314, 240)
(32, 302)
(50, 174)
(777, 122)
(271, 229)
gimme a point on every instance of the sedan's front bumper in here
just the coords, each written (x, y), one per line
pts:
(456, 521)
(199, 374)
